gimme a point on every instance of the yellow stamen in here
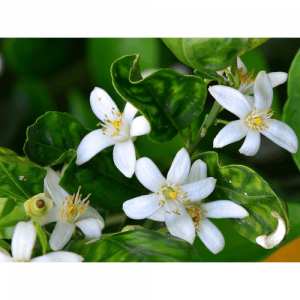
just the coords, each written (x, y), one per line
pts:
(173, 195)
(258, 121)
(116, 124)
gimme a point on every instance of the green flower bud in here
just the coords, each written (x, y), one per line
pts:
(131, 227)
(38, 206)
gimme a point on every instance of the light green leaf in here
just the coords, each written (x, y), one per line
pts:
(210, 54)
(170, 101)
(11, 212)
(291, 112)
(42, 237)
(135, 246)
(243, 186)
(20, 179)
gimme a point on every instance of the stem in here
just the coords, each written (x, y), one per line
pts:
(217, 121)
(235, 73)
(183, 137)
(208, 121)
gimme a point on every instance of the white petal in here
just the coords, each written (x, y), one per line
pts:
(250, 98)
(129, 112)
(263, 92)
(53, 215)
(273, 239)
(92, 213)
(231, 99)
(282, 134)
(158, 216)
(23, 240)
(102, 105)
(180, 225)
(224, 209)
(92, 144)
(90, 227)
(139, 126)
(200, 189)
(57, 193)
(211, 236)
(60, 256)
(5, 257)
(149, 175)
(251, 144)
(198, 172)
(124, 157)
(180, 167)
(61, 235)
(277, 78)
(232, 132)
(141, 207)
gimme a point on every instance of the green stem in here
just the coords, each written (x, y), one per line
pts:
(208, 121)
(183, 137)
(235, 73)
(217, 121)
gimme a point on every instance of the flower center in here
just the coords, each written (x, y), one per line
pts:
(257, 119)
(197, 214)
(170, 195)
(73, 207)
(119, 128)
(247, 77)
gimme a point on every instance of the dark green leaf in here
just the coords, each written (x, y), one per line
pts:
(243, 186)
(170, 101)
(53, 138)
(208, 74)
(291, 113)
(5, 245)
(209, 54)
(136, 246)
(20, 179)
(100, 177)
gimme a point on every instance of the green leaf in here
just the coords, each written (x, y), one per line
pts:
(243, 186)
(170, 101)
(291, 112)
(11, 213)
(209, 54)
(102, 52)
(136, 246)
(42, 237)
(20, 179)
(208, 74)
(53, 138)
(100, 177)
(5, 245)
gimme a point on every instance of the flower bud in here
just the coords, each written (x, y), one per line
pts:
(131, 227)
(38, 206)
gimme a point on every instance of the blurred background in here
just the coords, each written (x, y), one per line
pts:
(40, 75)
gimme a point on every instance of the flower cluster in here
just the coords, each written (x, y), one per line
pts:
(184, 199)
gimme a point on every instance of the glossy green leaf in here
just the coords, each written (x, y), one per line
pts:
(11, 212)
(20, 179)
(100, 177)
(243, 186)
(54, 138)
(136, 246)
(5, 245)
(210, 54)
(291, 113)
(102, 52)
(170, 101)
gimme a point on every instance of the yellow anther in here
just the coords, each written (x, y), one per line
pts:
(173, 195)
(116, 124)
(71, 210)
(258, 121)
(115, 133)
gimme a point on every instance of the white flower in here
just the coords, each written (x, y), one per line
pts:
(117, 129)
(68, 212)
(208, 233)
(23, 240)
(274, 238)
(247, 79)
(166, 203)
(255, 118)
